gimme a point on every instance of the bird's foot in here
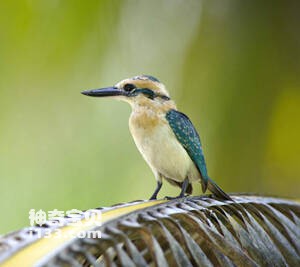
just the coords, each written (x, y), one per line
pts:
(171, 198)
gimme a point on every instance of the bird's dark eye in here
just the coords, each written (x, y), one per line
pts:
(129, 87)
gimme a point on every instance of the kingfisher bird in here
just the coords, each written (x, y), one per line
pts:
(165, 137)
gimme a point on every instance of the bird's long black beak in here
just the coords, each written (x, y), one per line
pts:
(102, 92)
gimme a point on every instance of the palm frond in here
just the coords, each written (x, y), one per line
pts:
(193, 231)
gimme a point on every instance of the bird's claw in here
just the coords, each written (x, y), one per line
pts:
(172, 198)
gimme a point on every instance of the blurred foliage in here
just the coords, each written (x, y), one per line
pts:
(232, 66)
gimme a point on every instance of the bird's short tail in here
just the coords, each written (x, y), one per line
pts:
(217, 191)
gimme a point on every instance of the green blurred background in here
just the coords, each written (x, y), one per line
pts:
(232, 66)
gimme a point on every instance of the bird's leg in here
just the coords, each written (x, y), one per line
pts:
(158, 187)
(183, 189)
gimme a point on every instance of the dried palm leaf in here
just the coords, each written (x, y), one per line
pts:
(193, 231)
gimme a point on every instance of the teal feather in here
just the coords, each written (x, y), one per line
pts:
(188, 137)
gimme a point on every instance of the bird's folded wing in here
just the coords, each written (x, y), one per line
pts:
(187, 135)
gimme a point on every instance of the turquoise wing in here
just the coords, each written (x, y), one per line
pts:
(187, 135)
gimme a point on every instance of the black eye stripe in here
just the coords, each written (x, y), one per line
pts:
(164, 97)
(149, 93)
(129, 87)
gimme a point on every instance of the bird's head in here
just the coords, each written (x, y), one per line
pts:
(138, 89)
